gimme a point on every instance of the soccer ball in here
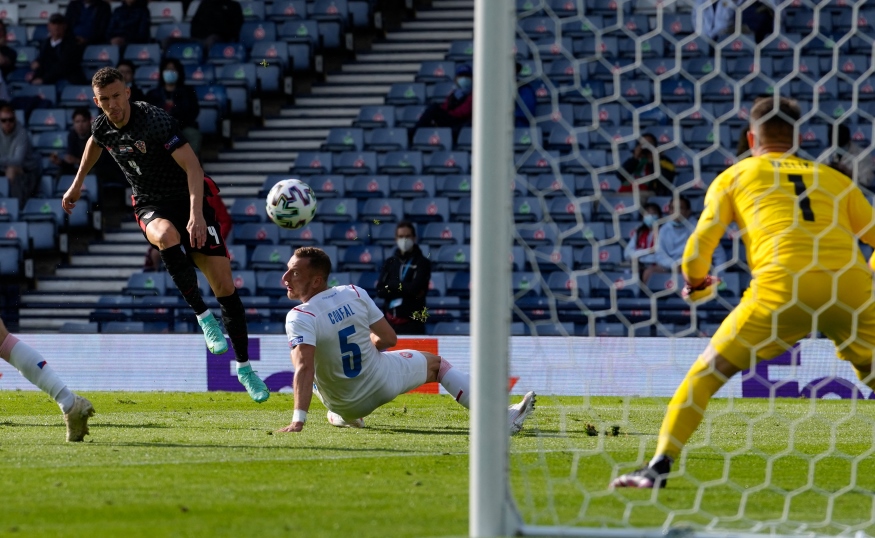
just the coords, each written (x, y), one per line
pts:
(291, 204)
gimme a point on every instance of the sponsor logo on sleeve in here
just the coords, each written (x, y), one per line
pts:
(170, 143)
(296, 340)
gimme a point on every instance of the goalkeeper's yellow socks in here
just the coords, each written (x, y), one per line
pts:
(687, 407)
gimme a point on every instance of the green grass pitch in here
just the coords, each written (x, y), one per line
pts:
(174, 464)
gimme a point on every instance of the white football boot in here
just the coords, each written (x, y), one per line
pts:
(517, 413)
(336, 420)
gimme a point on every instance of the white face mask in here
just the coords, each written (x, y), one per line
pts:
(404, 244)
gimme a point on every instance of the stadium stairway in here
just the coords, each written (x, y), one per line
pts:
(272, 149)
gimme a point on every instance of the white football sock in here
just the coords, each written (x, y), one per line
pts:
(35, 369)
(243, 364)
(457, 383)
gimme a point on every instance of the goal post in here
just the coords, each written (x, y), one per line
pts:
(491, 510)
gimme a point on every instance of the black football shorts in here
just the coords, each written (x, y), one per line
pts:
(178, 213)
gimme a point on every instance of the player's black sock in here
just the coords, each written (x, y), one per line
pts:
(234, 318)
(182, 272)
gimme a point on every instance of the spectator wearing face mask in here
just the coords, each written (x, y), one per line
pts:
(179, 100)
(642, 245)
(672, 239)
(456, 109)
(403, 283)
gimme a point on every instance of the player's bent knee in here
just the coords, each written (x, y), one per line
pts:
(433, 365)
(162, 234)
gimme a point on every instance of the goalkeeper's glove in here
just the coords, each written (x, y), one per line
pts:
(705, 291)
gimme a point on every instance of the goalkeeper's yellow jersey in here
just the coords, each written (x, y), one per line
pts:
(793, 215)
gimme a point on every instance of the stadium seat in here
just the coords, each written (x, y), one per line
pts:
(448, 162)
(400, 163)
(382, 210)
(443, 233)
(140, 284)
(346, 234)
(248, 209)
(383, 235)
(187, 53)
(354, 162)
(549, 258)
(367, 186)
(452, 258)
(311, 235)
(406, 93)
(568, 286)
(270, 257)
(361, 258)
(268, 52)
(299, 32)
(425, 210)
(238, 256)
(344, 139)
(245, 282)
(142, 54)
(269, 284)
(436, 71)
(172, 30)
(373, 116)
(225, 53)
(538, 162)
(428, 139)
(48, 119)
(409, 115)
(9, 209)
(331, 186)
(383, 139)
(450, 328)
(89, 192)
(212, 96)
(337, 210)
(255, 233)
(112, 308)
(605, 257)
(37, 13)
(123, 327)
(414, 186)
(238, 74)
(198, 75)
(312, 163)
(101, 56)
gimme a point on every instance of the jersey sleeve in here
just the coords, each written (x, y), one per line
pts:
(862, 216)
(717, 215)
(300, 328)
(166, 131)
(96, 132)
(373, 312)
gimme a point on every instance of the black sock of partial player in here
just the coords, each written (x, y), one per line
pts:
(234, 318)
(182, 272)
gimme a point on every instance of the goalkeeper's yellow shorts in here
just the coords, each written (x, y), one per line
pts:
(779, 310)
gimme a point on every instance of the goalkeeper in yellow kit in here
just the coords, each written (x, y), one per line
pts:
(800, 222)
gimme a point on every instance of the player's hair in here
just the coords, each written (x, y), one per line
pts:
(775, 118)
(319, 261)
(106, 76)
(81, 111)
(406, 224)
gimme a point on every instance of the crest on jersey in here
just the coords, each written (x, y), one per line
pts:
(148, 215)
(140, 145)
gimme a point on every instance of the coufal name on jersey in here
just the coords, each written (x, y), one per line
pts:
(336, 316)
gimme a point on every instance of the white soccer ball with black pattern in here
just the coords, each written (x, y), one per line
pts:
(291, 204)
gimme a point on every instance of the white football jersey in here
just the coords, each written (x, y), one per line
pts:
(337, 321)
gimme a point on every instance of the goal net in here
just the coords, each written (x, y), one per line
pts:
(784, 449)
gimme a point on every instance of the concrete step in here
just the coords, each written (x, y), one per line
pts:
(410, 47)
(31, 300)
(269, 167)
(452, 4)
(107, 260)
(238, 179)
(74, 286)
(443, 14)
(419, 35)
(120, 248)
(294, 123)
(367, 78)
(326, 111)
(264, 156)
(264, 145)
(132, 226)
(100, 272)
(50, 313)
(52, 324)
(463, 24)
(124, 237)
(341, 101)
(274, 134)
(417, 57)
(336, 90)
(375, 67)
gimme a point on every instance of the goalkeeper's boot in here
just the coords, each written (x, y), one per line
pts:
(517, 413)
(256, 388)
(652, 476)
(336, 420)
(216, 342)
(77, 419)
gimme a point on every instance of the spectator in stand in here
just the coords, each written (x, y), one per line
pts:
(851, 159)
(217, 21)
(128, 70)
(455, 111)
(658, 172)
(88, 21)
(18, 158)
(129, 23)
(672, 239)
(642, 245)
(715, 19)
(8, 56)
(529, 99)
(76, 139)
(403, 283)
(60, 58)
(178, 100)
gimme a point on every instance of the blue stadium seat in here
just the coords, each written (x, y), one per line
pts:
(301, 32)
(269, 284)
(373, 116)
(187, 53)
(450, 328)
(283, 10)
(256, 233)
(244, 281)
(248, 209)
(312, 163)
(202, 74)
(460, 210)
(409, 115)
(538, 234)
(548, 258)
(101, 56)
(704, 136)
(454, 186)
(527, 209)
(383, 235)
(567, 285)
(382, 210)
(327, 186)
(400, 162)
(253, 10)
(312, 234)
(436, 92)
(344, 139)
(406, 93)
(551, 48)
(226, 53)
(461, 51)
(143, 53)
(337, 210)
(565, 209)
(448, 162)
(212, 96)
(331, 11)
(123, 327)
(112, 308)
(538, 162)
(208, 120)
(360, 13)
(254, 31)
(383, 139)
(16, 35)
(677, 90)
(270, 257)
(452, 258)
(367, 186)
(90, 191)
(339, 278)
(413, 186)
(621, 205)
(436, 71)
(74, 95)
(48, 119)
(172, 30)
(429, 139)
(239, 256)
(238, 74)
(140, 284)
(344, 234)
(4, 188)
(367, 280)
(271, 52)
(354, 162)
(538, 28)
(424, 210)
(443, 233)
(361, 258)
(9, 209)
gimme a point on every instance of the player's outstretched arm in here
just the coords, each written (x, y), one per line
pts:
(197, 226)
(383, 335)
(304, 360)
(89, 159)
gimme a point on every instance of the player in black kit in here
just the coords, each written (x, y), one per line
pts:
(169, 205)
